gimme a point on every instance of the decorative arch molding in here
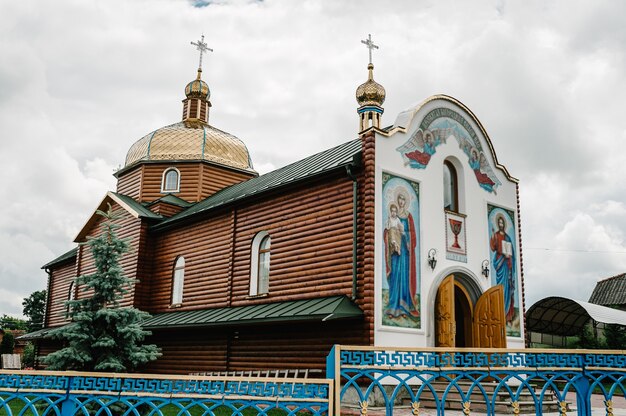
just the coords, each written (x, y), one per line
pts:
(405, 118)
(466, 278)
(164, 182)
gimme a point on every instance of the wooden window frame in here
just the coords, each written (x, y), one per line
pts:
(178, 281)
(164, 189)
(256, 253)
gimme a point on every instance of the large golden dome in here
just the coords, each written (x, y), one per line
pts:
(191, 140)
(370, 92)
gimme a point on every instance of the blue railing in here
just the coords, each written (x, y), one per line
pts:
(490, 382)
(43, 393)
(361, 380)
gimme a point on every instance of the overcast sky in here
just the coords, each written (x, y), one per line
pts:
(81, 81)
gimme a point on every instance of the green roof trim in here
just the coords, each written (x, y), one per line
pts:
(320, 163)
(318, 309)
(137, 207)
(41, 333)
(63, 257)
(172, 200)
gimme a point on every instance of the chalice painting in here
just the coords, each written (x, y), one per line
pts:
(455, 237)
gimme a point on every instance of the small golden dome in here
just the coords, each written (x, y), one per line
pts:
(198, 88)
(370, 92)
(188, 140)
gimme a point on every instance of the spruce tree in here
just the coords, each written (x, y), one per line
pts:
(102, 336)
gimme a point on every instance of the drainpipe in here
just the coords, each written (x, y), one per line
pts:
(354, 230)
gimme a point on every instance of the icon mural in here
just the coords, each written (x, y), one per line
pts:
(503, 259)
(401, 282)
(436, 127)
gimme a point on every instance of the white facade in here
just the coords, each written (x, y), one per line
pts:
(499, 191)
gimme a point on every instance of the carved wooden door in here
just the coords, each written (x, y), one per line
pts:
(489, 324)
(445, 325)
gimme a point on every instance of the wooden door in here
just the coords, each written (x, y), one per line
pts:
(489, 324)
(445, 326)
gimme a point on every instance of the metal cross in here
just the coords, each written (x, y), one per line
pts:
(202, 47)
(370, 45)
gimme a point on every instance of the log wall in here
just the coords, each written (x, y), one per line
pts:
(263, 347)
(61, 277)
(311, 250)
(130, 182)
(198, 180)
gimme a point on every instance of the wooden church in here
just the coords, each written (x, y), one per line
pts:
(407, 235)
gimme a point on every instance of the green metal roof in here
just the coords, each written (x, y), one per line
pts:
(36, 334)
(172, 200)
(318, 309)
(63, 257)
(137, 207)
(311, 166)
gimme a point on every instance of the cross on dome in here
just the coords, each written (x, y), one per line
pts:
(370, 45)
(202, 47)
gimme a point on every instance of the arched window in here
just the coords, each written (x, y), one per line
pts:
(171, 180)
(260, 264)
(71, 295)
(178, 281)
(450, 187)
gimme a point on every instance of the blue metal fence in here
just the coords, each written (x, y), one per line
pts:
(490, 382)
(42, 393)
(361, 380)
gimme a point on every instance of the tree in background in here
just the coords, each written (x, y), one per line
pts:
(9, 322)
(8, 343)
(615, 336)
(34, 307)
(103, 336)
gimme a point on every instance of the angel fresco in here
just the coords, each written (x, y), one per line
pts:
(478, 163)
(419, 149)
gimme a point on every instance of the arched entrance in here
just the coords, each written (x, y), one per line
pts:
(466, 318)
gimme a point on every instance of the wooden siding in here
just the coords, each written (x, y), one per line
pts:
(130, 230)
(264, 347)
(286, 346)
(215, 178)
(43, 348)
(165, 209)
(60, 280)
(130, 182)
(189, 351)
(311, 243)
(206, 248)
(366, 234)
(198, 180)
(311, 255)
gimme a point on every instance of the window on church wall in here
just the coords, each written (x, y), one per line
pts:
(171, 180)
(71, 295)
(450, 187)
(260, 264)
(178, 280)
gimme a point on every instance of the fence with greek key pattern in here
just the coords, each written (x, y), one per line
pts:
(40, 393)
(489, 382)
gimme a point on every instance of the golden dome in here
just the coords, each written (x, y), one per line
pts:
(198, 88)
(370, 92)
(189, 140)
